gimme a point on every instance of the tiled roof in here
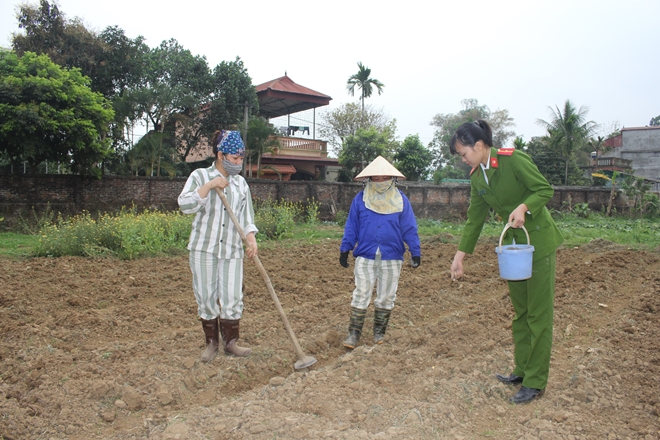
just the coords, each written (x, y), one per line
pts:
(286, 84)
(282, 96)
(266, 168)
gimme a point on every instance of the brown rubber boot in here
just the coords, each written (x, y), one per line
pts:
(229, 330)
(355, 327)
(212, 339)
(381, 319)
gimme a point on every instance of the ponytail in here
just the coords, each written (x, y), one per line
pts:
(470, 133)
(215, 140)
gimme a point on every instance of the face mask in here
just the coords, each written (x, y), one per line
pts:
(382, 186)
(231, 168)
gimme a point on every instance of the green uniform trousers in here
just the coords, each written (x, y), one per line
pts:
(533, 302)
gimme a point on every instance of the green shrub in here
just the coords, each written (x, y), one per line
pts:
(127, 235)
(581, 210)
(312, 211)
(35, 221)
(341, 217)
(275, 219)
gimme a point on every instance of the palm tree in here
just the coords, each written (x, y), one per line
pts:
(568, 130)
(362, 80)
(595, 145)
(519, 143)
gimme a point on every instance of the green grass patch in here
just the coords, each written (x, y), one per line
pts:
(130, 235)
(634, 233)
(15, 245)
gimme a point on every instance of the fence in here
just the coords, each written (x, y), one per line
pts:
(70, 194)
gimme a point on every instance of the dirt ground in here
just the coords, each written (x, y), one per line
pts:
(107, 349)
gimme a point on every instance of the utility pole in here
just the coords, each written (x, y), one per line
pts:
(245, 130)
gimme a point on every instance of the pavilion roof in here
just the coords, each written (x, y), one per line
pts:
(282, 96)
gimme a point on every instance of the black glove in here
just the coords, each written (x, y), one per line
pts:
(415, 262)
(343, 259)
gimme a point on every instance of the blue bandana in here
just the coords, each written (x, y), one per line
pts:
(230, 142)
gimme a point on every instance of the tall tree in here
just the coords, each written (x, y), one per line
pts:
(224, 107)
(46, 30)
(50, 113)
(655, 122)
(413, 159)
(345, 120)
(151, 155)
(363, 147)
(519, 143)
(552, 165)
(43, 31)
(446, 124)
(261, 138)
(363, 81)
(122, 63)
(113, 62)
(568, 130)
(176, 80)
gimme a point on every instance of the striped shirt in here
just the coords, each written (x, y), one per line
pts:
(212, 229)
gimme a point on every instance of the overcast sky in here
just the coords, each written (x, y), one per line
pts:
(520, 55)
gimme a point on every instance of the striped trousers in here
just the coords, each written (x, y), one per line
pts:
(382, 273)
(218, 285)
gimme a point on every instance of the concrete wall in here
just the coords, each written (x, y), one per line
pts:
(72, 194)
(642, 147)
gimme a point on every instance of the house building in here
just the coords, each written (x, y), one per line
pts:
(636, 148)
(299, 156)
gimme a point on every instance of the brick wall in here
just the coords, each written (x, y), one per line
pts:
(72, 194)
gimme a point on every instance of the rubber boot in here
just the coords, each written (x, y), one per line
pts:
(355, 327)
(381, 319)
(229, 330)
(212, 339)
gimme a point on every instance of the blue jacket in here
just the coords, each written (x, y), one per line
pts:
(388, 232)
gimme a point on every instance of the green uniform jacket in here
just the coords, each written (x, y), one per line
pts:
(513, 179)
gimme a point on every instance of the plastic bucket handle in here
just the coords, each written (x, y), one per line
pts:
(508, 225)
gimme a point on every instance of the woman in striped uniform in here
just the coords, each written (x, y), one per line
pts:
(216, 249)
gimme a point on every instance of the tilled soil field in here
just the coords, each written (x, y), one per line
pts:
(108, 349)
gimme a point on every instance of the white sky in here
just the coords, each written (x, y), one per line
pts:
(519, 55)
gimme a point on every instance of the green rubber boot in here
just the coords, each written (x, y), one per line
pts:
(355, 327)
(381, 319)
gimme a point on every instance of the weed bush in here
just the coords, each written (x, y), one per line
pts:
(275, 219)
(341, 217)
(312, 210)
(581, 210)
(126, 235)
(34, 222)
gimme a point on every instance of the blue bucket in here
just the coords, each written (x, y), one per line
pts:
(515, 260)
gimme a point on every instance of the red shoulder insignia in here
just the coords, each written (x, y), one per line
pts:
(472, 170)
(505, 151)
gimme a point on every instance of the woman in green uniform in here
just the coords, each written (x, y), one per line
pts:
(507, 181)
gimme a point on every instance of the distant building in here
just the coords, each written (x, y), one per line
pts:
(300, 155)
(637, 148)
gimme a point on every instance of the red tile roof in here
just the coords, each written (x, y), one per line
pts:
(286, 84)
(282, 96)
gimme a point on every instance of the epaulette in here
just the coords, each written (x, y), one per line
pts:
(505, 151)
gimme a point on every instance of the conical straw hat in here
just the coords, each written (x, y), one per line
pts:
(380, 167)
